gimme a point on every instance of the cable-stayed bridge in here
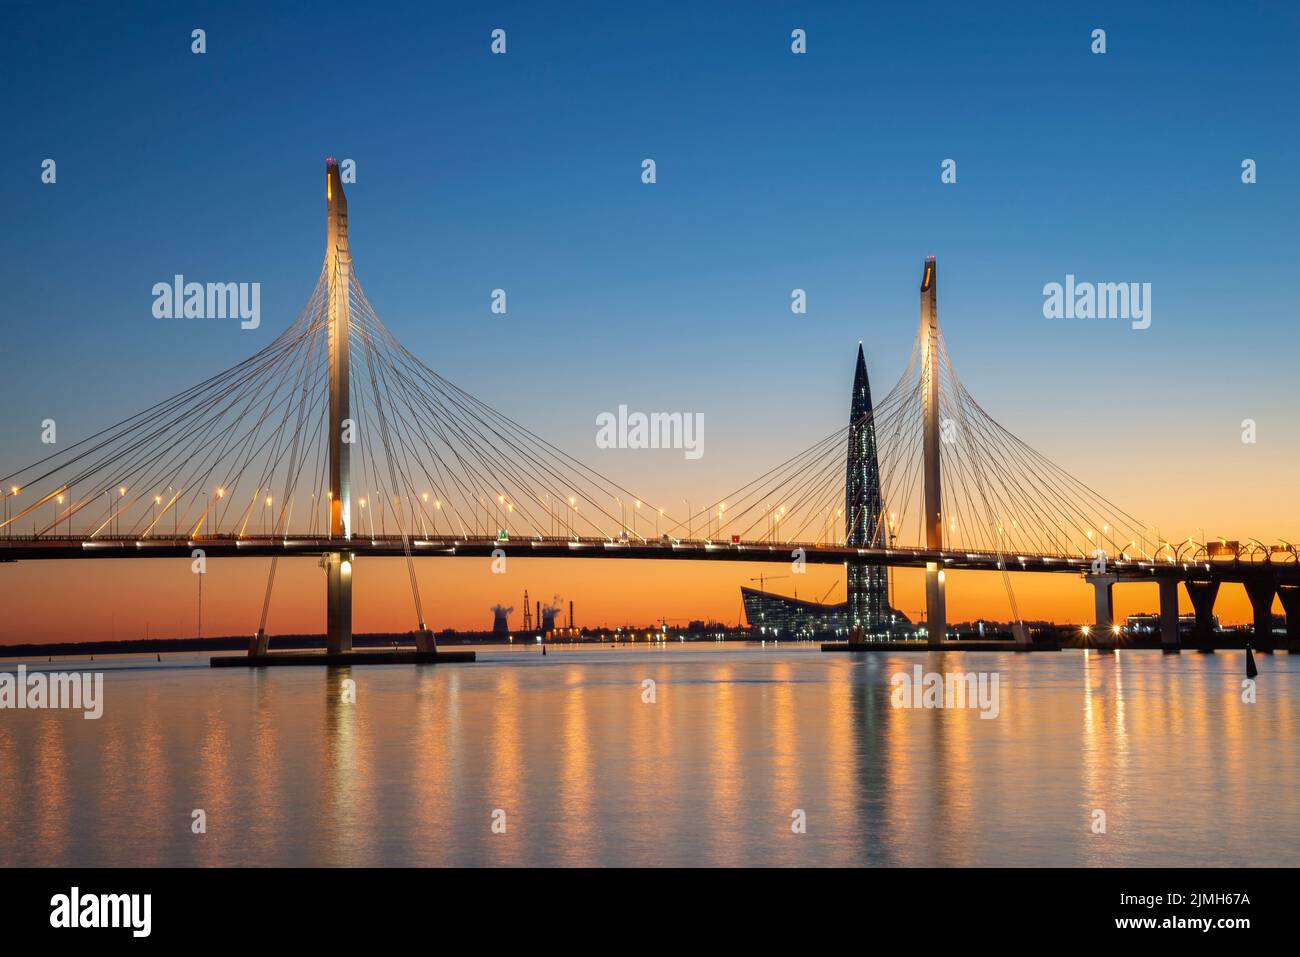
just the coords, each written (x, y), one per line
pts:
(335, 441)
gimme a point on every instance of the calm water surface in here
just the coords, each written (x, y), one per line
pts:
(587, 774)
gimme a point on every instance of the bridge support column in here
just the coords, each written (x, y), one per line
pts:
(338, 565)
(1103, 601)
(1202, 595)
(259, 643)
(936, 612)
(1260, 591)
(1169, 615)
(338, 602)
(1289, 596)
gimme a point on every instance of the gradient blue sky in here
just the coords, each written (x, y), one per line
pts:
(775, 171)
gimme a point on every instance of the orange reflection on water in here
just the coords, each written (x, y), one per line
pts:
(726, 777)
(736, 739)
(341, 835)
(505, 790)
(50, 781)
(575, 813)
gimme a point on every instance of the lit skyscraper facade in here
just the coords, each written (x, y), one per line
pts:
(866, 615)
(868, 585)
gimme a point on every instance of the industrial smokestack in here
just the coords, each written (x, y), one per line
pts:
(500, 620)
(570, 612)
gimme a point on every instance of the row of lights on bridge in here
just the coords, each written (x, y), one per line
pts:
(501, 500)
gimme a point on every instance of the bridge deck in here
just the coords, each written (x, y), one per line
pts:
(45, 548)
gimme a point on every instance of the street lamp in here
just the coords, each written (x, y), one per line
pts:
(13, 490)
(212, 525)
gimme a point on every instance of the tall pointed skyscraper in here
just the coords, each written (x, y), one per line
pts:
(868, 585)
(867, 615)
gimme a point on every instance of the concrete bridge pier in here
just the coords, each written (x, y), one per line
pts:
(1202, 595)
(1169, 642)
(1260, 591)
(1020, 634)
(338, 601)
(1103, 594)
(936, 613)
(424, 640)
(1289, 596)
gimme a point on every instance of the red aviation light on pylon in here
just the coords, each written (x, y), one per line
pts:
(928, 278)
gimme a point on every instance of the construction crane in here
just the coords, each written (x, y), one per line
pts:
(766, 578)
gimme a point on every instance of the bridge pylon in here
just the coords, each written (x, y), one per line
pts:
(338, 564)
(936, 615)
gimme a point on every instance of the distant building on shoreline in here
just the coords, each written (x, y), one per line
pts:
(776, 616)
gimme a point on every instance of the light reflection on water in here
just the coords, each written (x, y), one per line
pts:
(587, 774)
